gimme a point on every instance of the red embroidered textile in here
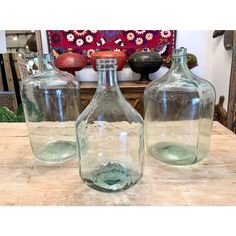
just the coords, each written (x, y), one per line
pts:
(87, 42)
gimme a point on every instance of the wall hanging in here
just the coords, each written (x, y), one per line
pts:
(86, 42)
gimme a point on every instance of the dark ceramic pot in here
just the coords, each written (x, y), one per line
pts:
(120, 56)
(145, 63)
(70, 62)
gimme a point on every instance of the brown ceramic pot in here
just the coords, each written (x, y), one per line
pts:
(70, 62)
(120, 56)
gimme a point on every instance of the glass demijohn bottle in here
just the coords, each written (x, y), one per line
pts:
(179, 110)
(110, 136)
(51, 102)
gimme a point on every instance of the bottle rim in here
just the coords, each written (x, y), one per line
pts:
(106, 63)
(178, 52)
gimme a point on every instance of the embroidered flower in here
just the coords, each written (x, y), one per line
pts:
(79, 42)
(70, 37)
(149, 36)
(80, 32)
(139, 41)
(55, 38)
(89, 38)
(165, 33)
(130, 36)
(162, 50)
(90, 52)
(140, 31)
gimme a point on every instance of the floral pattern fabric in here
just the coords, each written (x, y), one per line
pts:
(86, 42)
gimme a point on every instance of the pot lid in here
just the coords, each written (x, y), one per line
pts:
(108, 54)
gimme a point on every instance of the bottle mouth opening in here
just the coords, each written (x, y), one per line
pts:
(179, 52)
(106, 63)
(48, 61)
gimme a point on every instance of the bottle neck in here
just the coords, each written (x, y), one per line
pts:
(107, 73)
(48, 63)
(179, 63)
(107, 79)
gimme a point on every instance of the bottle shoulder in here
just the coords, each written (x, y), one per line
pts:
(203, 83)
(109, 106)
(51, 78)
(179, 81)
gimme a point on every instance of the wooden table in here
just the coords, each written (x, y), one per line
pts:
(23, 182)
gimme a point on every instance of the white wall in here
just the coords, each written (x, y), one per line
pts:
(3, 47)
(44, 42)
(220, 68)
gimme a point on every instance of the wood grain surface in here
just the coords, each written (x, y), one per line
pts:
(24, 182)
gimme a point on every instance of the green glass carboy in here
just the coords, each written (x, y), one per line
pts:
(179, 110)
(110, 136)
(51, 102)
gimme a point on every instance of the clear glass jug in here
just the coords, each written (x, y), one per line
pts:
(51, 102)
(110, 136)
(179, 110)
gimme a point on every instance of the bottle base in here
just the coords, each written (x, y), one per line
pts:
(112, 177)
(174, 153)
(57, 152)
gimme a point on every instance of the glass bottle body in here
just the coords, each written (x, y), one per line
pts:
(51, 102)
(179, 110)
(110, 136)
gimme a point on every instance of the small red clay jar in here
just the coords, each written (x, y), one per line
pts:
(120, 56)
(70, 62)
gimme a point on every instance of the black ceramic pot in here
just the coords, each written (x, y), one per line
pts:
(145, 63)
